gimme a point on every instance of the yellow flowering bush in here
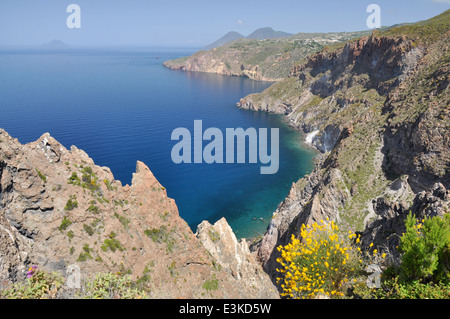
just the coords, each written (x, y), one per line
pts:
(321, 261)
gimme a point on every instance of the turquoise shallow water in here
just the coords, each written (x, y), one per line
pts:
(121, 105)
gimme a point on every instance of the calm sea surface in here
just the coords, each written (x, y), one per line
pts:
(121, 105)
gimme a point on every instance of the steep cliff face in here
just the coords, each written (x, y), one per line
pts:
(377, 110)
(57, 208)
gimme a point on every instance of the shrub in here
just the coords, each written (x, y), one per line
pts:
(111, 286)
(88, 229)
(86, 254)
(161, 235)
(64, 224)
(74, 179)
(393, 289)
(71, 204)
(38, 285)
(320, 263)
(111, 243)
(94, 209)
(44, 285)
(423, 272)
(212, 284)
(425, 248)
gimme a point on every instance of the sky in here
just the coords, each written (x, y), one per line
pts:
(192, 23)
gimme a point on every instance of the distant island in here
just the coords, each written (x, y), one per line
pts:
(56, 44)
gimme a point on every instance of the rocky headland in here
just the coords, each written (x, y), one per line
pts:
(265, 59)
(58, 209)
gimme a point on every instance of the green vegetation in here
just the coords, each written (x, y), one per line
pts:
(424, 271)
(42, 176)
(74, 179)
(425, 248)
(425, 32)
(324, 261)
(161, 235)
(41, 285)
(88, 179)
(108, 185)
(213, 235)
(212, 284)
(112, 243)
(86, 254)
(94, 209)
(65, 223)
(88, 229)
(71, 203)
(142, 281)
(164, 216)
(110, 286)
(123, 220)
(44, 285)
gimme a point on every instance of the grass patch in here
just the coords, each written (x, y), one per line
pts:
(42, 176)
(123, 220)
(71, 204)
(161, 235)
(86, 254)
(112, 243)
(212, 284)
(64, 224)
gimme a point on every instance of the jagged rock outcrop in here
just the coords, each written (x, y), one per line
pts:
(235, 257)
(390, 223)
(59, 209)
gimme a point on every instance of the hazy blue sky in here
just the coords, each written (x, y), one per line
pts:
(192, 23)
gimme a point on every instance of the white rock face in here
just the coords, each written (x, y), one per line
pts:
(235, 257)
(309, 139)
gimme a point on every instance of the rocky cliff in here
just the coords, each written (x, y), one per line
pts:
(265, 60)
(377, 108)
(59, 209)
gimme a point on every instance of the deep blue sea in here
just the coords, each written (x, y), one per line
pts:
(121, 105)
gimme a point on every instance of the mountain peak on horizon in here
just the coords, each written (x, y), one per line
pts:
(56, 44)
(230, 36)
(267, 33)
(258, 34)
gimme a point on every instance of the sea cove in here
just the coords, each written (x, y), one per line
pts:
(121, 105)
